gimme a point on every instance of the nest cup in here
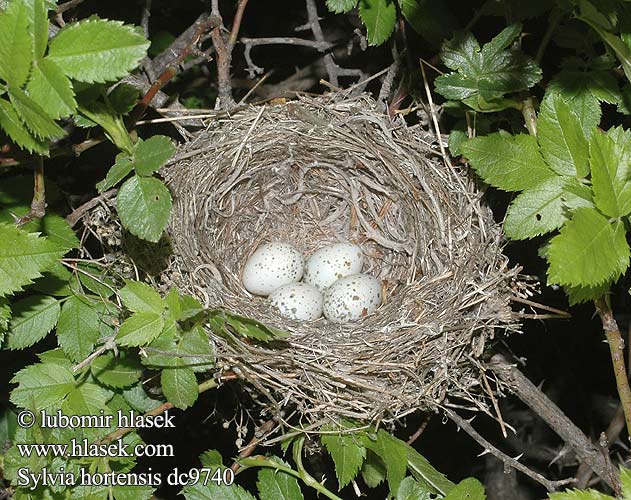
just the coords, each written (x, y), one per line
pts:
(321, 170)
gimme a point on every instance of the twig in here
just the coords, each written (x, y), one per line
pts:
(537, 305)
(77, 213)
(509, 461)
(420, 430)
(144, 19)
(259, 435)
(553, 22)
(66, 6)
(38, 205)
(616, 347)
(585, 450)
(236, 24)
(530, 116)
(279, 40)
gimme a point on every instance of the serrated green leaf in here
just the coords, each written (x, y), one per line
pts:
(96, 112)
(536, 211)
(144, 207)
(508, 162)
(162, 352)
(97, 50)
(116, 371)
(409, 489)
(133, 492)
(195, 350)
(243, 326)
(580, 295)
(56, 230)
(347, 453)
(54, 281)
(33, 318)
(212, 491)
(373, 471)
(34, 116)
(39, 27)
(490, 71)
(588, 251)
(16, 45)
(379, 16)
(78, 328)
(10, 122)
(394, 454)
(51, 89)
(625, 481)
(121, 169)
(140, 297)
(140, 329)
(151, 154)
(579, 495)
(87, 399)
(5, 317)
(23, 257)
(467, 489)
(425, 473)
(8, 427)
(563, 144)
(610, 158)
(277, 485)
(341, 6)
(123, 98)
(139, 400)
(576, 194)
(91, 277)
(41, 385)
(179, 386)
(432, 20)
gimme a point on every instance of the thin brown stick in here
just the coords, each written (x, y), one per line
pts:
(420, 430)
(66, 6)
(530, 116)
(585, 450)
(259, 436)
(77, 213)
(616, 347)
(537, 305)
(38, 205)
(509, 461)
(236, 24)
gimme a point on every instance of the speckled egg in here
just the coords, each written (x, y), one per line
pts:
(271, 266)
(332, 263)
(298, 301)
(352, 298)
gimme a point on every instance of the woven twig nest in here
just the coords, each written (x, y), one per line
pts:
(316, 171)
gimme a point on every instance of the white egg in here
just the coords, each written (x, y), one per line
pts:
(271, 266)
(351, 298)
(298, 301)
(332, 263)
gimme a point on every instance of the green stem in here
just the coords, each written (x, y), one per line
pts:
(616, 347)
(555, 18)
(530, 115)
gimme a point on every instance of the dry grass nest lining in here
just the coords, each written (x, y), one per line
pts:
(321, 170)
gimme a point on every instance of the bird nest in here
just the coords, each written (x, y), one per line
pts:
(321, 170)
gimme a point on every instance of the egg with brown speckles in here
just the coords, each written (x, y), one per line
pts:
(351, 298)
(271, 266)
(298, 301)
(333, 262)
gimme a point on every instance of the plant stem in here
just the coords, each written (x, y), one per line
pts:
(555, 17)
(530, 115)
(616, 346)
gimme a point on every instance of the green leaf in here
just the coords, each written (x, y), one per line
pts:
(490, 71)
(39, 28)
(78, 328)
(373, 470)
(144, 206)
(195, 350)
(610, 156)
(133, 492)
(425, 473)
(140, 297)
(379, 16)
(34, 116)
(5, 317)
(394, 454)
(432, 20)
(467, 489)
(8, 427)
(41, 385)
(563, 144)
(277, 485)
(179, 386)
(23, 257)
(51, 89)
(579, 495)
(162, 352)
(212, 491)
(580, 295)
(211, 458)
(588, 251)
(121, 169)
(97, 50)
(116, 371)
(106, 117)
(55, 228)
(151, 154)
(16, 45)
(33, 318)
(123, 98)
(246, 327)
(411, 490)
(140, 329)
(625, 480)
(91, 277)
(536, 211)
(10, 122)
(508, 162)
(341, 6)
(347, 453)
(139, 400)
